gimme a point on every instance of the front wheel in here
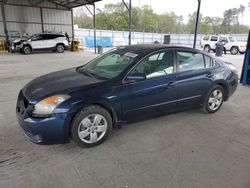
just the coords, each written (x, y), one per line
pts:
(234, 50)
(26, 50)
(214, 99)
(91, 126)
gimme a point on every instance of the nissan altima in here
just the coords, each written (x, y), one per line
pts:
(123, 85)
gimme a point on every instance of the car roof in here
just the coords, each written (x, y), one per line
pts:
(219, 35)
(49, 33)
(142, 49)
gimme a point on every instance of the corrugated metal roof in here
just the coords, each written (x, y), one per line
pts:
(68, 4)
(73, 3)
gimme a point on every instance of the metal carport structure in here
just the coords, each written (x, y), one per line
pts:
(44, 15)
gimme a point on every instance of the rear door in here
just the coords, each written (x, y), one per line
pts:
(194, 77)
(49, 40)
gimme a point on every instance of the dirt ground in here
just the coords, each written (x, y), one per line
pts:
(182, 150)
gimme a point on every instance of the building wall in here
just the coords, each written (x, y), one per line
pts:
(23, 19)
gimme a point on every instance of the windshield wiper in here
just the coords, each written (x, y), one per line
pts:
(81, 70)
(88, 74)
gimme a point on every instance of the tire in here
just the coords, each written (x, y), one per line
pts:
(60, 48)
(26, 50)
(214, 99)
(91, 126)
(234, 50)
(207, 48)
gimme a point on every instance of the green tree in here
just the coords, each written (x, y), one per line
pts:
(115, 17)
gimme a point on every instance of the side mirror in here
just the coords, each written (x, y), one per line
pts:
(135, 77)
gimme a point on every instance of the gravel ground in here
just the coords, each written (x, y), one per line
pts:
(186, 149)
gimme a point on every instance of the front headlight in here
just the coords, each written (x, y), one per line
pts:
(48, 105)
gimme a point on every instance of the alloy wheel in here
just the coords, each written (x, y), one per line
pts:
(92, 128)
(60, 48)
(27, 50)
(215, 100)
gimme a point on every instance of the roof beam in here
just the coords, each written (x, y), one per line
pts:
(51, 1)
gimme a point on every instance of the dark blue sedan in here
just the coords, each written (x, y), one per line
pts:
(126, 84)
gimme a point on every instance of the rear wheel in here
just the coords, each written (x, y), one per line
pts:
(207, 48)
(214, 99)
(234, 50)
(91, 126)
(60, 48)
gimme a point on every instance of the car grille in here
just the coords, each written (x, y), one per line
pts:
(22, 103)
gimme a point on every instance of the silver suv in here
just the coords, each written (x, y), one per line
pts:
(208, 43)
(45, 42)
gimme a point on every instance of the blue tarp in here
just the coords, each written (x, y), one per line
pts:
(104, 42)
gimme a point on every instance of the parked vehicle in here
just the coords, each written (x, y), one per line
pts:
(125, 84)
(41, 42)
(208, 43)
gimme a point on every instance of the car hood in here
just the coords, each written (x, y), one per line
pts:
(19, 40)
(60, 82)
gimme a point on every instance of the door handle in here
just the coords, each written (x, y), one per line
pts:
(171, 84)
(209, 75)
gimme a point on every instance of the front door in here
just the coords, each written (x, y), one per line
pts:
(157, 92)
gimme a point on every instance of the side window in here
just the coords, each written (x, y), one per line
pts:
(214, 38)
(159, 64)
(223, 39)
(206, 38)
(190, 61)
(46, 37)
(208, 61)
(156, 57)
(58, 36)
(43, 37)
(37, 37)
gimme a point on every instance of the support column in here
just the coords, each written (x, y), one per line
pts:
(72, 24)
(196, 23)
(94, 23)
(5, 25)
(129, 8)
(94, 26)
(41, 14)
(130, 22)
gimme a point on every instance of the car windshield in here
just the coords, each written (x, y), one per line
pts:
(32, 36)
(232, 39)
(109, 65)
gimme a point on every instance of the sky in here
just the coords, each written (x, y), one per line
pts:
(185, 7)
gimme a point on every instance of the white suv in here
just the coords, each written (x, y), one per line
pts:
(208, 43)
(45, 42)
